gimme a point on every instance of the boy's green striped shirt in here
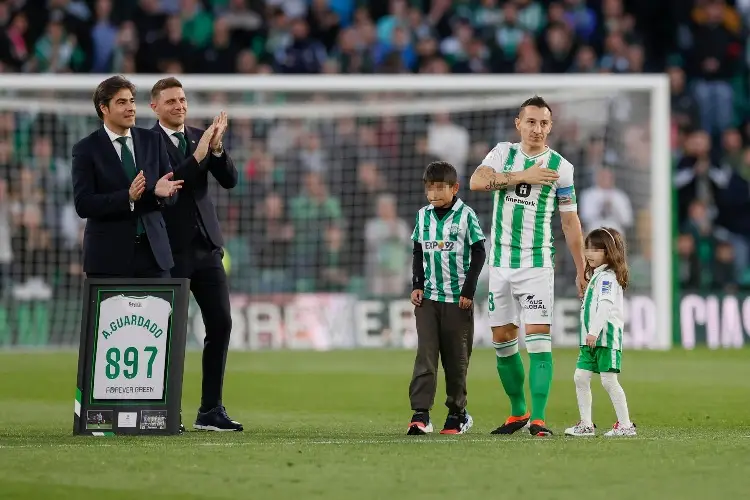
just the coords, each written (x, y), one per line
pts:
(446, 249)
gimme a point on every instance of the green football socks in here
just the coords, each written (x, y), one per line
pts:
(540, 373)
(512, 375)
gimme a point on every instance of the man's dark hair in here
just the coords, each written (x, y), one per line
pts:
(164, 84)
(536, 101)
(440, 171)
(107, 90)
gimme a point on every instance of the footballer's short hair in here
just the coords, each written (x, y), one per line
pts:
(536, 101)
(440, 171)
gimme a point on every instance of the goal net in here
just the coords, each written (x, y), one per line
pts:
(317, 231)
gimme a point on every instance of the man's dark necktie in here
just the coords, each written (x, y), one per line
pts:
(128, 163)
(181, 142)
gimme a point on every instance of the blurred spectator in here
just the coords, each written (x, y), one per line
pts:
(585, 61)
(333, 261)
(604, 205)
(14, 48)
(197, 24)
(31, 243)
(581, 18)
(731, 145)
(57, 51)
(559, 51)
(6, 250)
(324, 23)
(123, 57)
(221, 54)
(685, 111)
(311, 213)
(708, 258)
(397, 53)
(711, 62)
(104, 36)
(697, 178)
(508, 36)
(303, 54)
(358, 203)
(531, 14)
(449, 141)
(171, 47)
(397, 17)
(274, 245)
(388, 244)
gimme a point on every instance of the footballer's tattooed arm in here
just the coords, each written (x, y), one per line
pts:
(486, 179)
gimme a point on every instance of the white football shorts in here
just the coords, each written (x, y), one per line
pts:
(521, 295)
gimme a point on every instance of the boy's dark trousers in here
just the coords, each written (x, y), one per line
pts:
(447, 331)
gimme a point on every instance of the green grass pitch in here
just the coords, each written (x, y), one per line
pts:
(331, 425)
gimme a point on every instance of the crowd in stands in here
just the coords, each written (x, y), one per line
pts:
(329, 206)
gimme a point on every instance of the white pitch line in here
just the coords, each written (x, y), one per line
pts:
(500, 441)
(440, 441)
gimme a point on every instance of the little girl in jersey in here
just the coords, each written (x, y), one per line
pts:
(601, 330)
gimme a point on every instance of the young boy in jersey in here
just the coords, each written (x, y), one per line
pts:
(448, 257)
(601, 330)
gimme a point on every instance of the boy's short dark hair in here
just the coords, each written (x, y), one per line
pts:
(536, 101)
(440, 171)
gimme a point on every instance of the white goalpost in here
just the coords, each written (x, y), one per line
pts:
(323, 161)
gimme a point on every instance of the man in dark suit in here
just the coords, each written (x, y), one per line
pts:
(196, 240)
(121, 181)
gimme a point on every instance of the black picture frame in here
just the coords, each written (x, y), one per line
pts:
(137, 416)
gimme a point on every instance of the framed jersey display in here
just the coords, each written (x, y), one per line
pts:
(131, 356)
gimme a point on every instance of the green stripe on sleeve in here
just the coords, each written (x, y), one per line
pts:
(415, 233)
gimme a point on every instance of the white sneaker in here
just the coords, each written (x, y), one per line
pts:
(620, 431)
(458, 424)
(580, 430)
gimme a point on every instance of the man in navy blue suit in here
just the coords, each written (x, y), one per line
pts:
(195, 236)
(121, 181)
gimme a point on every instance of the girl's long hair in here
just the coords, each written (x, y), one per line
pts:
(611, 241)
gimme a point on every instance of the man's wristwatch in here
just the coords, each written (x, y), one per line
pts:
(219, 150)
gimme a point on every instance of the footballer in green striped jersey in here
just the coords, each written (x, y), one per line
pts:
(602, 322)
(530, 182)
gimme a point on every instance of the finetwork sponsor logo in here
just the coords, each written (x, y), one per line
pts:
(519, 201)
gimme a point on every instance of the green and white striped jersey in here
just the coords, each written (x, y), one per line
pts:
(521, 234)
(603, 286)
(446, 249)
